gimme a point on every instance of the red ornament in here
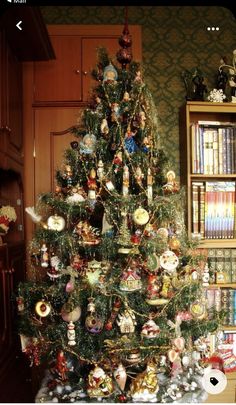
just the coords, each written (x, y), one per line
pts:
(124, 55)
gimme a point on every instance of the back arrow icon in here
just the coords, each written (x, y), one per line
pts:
(18, 25)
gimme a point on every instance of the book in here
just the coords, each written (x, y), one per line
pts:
(215, 152)
(233, 265)
(227, 265)
(202, 209)
(220, 274)
(224, 305)
(195, 208)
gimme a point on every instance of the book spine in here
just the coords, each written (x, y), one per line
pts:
(195, 208)
(227, 265)
(215, 152)
(224, 304)
(224, 153)
(220, 150)
(193, 148)
(232, 157)
(234, 307)
(210, 151)
(233, 265)
(218, 299)
(212, 265)
(197, 149)
(231, 306)
(220, 275)
(228, 150)
(202, 210)
(205, 151)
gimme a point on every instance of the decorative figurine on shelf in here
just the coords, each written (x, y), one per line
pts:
(200, 89)
(232, 75)
(130, 280)
(125, 184)
(216, 96)
(145, 386)
(222, 79)
(92, 185)
(127, 321)
(88, 144)
(110, 74)
(171, 186)
(99, 383)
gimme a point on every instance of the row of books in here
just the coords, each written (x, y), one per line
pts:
(213, 209)
(222, 264)
(222, 299)
(213, 148)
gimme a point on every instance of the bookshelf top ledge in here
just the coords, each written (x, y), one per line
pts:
(205, 106)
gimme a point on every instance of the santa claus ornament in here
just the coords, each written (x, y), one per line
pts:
(99, 383)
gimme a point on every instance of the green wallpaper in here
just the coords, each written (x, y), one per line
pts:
(174, 39)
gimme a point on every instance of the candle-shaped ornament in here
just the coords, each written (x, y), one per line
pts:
(149, 186)
(125, 186)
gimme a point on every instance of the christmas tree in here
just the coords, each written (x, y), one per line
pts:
(115, 307)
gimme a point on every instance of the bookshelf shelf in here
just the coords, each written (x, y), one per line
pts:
(212, 176)
(225, 285)
(217, 243)
(228, 328)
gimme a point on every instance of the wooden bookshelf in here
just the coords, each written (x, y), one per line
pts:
(190, 113)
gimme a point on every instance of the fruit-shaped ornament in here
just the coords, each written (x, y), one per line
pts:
(145, 386)
(88, 144)
(174, 244)
(99, 383)
(130, 280)
(153, 263)
(141, 216)
(93, 322)
(56, 223)
(43, 308)
(127, 321)
(120, 376)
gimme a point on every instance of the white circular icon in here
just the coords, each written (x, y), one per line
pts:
(214, 381)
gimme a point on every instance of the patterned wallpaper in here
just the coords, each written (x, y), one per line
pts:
(174, 38)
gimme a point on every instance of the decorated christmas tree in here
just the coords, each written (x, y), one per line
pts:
(115, 308)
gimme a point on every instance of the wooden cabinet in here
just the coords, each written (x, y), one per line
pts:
(11, 134)
(12, 270)
(68, 77)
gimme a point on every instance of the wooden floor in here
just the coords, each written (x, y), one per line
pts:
(16, 385)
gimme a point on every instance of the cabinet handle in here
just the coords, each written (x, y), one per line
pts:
(77, 71)
(85, 73)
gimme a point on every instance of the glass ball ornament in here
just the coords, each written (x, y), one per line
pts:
(42, 308)
(69, 315)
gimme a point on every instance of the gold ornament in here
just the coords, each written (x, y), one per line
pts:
(198, 310)
(42, 308)
(141, 216)
(133, 357)
(145, 386)
(99, 383)
(174, 243)
(56, 223)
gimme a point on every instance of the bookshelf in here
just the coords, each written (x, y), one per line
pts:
(220, 115)
(207, 168)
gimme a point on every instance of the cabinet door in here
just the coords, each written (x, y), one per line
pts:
(67, 79)
(51, 139)
(60, 79)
